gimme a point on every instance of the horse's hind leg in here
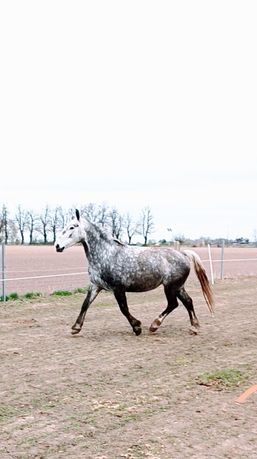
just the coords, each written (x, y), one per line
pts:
(172, 304)
(188, 303)
(122, 302)
(91, 295)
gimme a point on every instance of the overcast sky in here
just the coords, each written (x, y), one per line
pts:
(132, 104)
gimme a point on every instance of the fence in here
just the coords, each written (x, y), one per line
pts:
(2, 265)
(41, 269)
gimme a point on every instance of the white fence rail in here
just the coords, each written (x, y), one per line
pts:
(40, 269)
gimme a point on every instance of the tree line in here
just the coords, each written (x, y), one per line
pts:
(29, 226)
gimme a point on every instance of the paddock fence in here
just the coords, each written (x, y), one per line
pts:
(40, 269)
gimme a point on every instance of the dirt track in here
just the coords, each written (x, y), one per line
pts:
(107, 394)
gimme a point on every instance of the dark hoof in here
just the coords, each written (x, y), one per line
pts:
(75, 330)
(153, 329)
(193, 330)
(137, 330)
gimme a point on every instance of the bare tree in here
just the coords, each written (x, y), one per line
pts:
(21, 218)
(103, 212)
(32, 220)
(146, 223)
(131, 227)
(44, 220)
(116, 221)
(90, 211)
(64, 216)
(55, 221)
(1, 229)
(180, 238)
(4, 224)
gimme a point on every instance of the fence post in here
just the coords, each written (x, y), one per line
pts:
(177, 245)
(210, 260)
(2, 247)
(222, 260)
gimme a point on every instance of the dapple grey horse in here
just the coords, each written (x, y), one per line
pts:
(120, 268)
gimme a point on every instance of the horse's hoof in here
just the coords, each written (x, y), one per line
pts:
(153, 329)
(137, 330)
(155, 325)
(193, 330)
(74, 330)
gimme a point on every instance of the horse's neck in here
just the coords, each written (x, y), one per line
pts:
(97, 242)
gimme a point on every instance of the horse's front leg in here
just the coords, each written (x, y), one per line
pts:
(122, 302)
(91, 295)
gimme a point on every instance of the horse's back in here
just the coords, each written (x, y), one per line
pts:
(145, 268)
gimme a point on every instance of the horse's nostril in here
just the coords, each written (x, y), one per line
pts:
(58, 248)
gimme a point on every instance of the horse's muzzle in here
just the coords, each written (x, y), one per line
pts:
(58, 248)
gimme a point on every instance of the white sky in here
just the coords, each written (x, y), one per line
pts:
(134, 104)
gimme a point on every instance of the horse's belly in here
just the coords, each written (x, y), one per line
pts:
(143, 285)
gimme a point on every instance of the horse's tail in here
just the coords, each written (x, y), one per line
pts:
(202, 277)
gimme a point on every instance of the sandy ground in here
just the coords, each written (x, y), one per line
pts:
(107, 394)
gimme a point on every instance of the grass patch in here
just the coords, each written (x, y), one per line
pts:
(35, 295)
(32, 295)
(12, 296)
(27, 296)
(222, 379)
(61, 293)
(6, 412)
(80, 290)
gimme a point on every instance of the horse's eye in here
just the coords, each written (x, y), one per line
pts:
(71, 227)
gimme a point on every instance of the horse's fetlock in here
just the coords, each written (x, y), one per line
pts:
(196, 323)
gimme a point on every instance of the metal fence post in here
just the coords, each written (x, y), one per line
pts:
(2, 272)
(222, 260)
(210, 261)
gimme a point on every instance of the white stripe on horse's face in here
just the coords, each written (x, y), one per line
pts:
(70, 236)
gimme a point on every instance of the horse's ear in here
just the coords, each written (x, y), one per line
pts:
(77, 214)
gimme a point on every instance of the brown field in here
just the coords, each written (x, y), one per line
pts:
(41, 269)
(30, 266)
(107, 394)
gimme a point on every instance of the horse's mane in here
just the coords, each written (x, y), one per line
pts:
(104, 234)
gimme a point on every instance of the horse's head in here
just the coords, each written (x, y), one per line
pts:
(71, 235)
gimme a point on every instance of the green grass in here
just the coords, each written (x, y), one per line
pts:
(32, 295)
(12, 296)
(6, 412)
(222, 379)
(35, 295)
(61, 293)
(80, 290)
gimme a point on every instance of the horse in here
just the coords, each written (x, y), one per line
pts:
(118, 267)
